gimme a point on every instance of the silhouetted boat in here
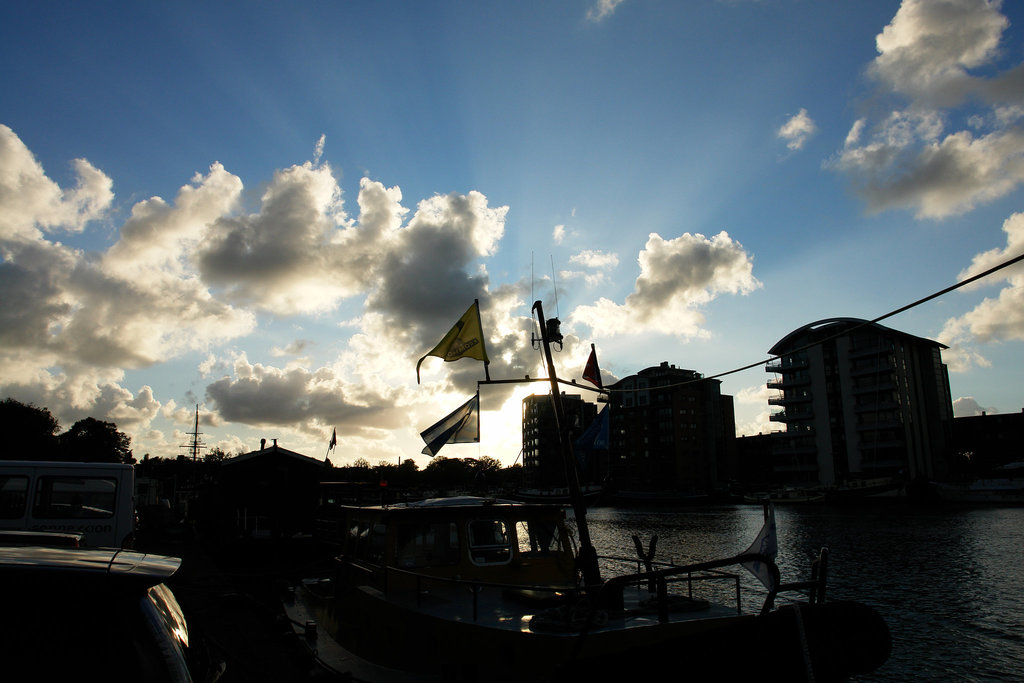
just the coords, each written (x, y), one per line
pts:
(1003, 486)
(480, 589)
(786, 496)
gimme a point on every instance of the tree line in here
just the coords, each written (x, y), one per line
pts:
(33, 433)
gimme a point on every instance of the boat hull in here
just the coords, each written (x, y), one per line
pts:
(828, 640)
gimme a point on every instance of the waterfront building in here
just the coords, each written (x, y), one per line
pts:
(671, 431)
(859, 400)
(983, 442)
(543, 466)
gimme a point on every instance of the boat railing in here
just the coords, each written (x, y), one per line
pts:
(659, 579)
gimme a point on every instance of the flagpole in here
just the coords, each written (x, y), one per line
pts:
(480, 325)
(588, 555)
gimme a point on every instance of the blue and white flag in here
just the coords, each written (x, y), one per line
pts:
(766, 543)
(595, 438)
(460, 426)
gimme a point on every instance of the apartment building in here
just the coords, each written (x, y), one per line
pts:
(859, 400)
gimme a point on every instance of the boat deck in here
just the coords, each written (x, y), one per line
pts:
(498, 609)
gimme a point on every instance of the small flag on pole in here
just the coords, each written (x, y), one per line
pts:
(464, 340)
(595, 438)
(460, 426)
(766, 543)
(334, 439)
(591, 372)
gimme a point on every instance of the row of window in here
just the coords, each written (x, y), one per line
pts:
(433, 544)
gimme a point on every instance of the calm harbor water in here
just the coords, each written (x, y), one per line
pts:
(949, 581)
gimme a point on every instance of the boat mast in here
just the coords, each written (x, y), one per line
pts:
(588, 555)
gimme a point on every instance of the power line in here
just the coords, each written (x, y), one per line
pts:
(847, 331)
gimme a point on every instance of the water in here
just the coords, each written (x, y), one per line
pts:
(949, 581)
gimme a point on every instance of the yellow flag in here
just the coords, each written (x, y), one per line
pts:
(464, 340)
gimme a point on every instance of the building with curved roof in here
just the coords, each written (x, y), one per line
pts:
(859, 400)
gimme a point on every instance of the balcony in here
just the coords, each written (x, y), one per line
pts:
(784, 365)
(791, 416)
(789, 398)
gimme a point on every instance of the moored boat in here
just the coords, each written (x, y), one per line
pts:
(483, 589)
(1003, 486)
(478, 589)
(786, 496)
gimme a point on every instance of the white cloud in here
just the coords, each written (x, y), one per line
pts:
(966, 406)
(905, 167)
(994, 319)
(592, 258)
(558, 234)
(602, 9)
(32, 203)
(318, 151)
(927, 49)
(676, 278)
(930, 60)
(797, 130)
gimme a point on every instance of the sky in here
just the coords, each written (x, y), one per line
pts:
(272, 210)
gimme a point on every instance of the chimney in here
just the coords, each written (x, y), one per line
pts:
(263, 444)
(275, 443)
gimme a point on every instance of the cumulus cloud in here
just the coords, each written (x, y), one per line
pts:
(676, 278)
(797, 130)
(966, 406)
(198, 270)
(934, 57)
(929, 47)
(261, 395)
(994, 319)
(33, 203)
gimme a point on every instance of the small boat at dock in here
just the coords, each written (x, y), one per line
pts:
(483, 589)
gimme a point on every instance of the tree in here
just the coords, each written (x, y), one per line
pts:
(92, 440)
(30, 433)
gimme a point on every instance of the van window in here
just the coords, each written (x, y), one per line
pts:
(489, 542)
(13, 494)
(75, 497)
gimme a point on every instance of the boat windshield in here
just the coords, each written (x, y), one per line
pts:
(538, 537)
(429, 544)
(489, 541)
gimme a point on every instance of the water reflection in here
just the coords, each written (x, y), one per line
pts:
(950, 582)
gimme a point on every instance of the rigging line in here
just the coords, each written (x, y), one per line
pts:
(947, 290)
(554, 285)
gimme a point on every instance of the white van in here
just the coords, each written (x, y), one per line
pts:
(91, 498)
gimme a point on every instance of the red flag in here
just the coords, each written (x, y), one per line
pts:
(592, 373)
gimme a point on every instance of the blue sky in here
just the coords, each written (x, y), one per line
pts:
(274, 209)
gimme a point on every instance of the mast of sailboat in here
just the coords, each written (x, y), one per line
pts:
(549, 331)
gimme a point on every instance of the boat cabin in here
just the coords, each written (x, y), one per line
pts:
(474, 539)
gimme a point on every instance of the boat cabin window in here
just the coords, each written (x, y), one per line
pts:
(538, 537)
(82, 497)
(427, 545)
(365, 540)
(13, 494)
(489, 541)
